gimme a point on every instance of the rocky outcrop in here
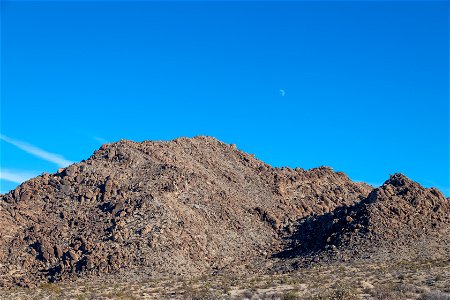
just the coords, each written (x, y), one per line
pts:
(184, 207)
(399, 219)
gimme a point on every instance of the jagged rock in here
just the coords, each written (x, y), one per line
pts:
(70, 171)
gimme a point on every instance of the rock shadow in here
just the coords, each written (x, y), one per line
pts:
(318, 234)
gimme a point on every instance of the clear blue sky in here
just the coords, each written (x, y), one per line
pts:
(366, 84)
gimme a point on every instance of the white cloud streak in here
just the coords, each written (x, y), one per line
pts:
(38, 152)
(16, 176)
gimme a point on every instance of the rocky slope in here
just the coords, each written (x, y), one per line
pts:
(399, 220)
(194, 206)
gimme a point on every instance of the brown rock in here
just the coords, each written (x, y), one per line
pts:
(58, 251)
(73, 255)
(70, 171)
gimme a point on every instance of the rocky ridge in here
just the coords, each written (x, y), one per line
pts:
(401, 218)
(199, 206)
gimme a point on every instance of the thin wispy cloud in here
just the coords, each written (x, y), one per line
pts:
(16, 176)
(38, 152)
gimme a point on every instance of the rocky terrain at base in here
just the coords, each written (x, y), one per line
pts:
(196, 207)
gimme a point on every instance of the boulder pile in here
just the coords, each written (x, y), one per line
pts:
(196, 206)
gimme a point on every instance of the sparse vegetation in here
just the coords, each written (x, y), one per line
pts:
(357, 280)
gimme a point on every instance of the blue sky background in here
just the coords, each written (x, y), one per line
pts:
(366, 83)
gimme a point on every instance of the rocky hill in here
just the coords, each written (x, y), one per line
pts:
(200, 206)
(398, 220)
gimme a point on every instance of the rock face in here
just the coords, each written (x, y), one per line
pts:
(195, 206)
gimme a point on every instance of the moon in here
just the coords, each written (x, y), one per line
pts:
(282, 93)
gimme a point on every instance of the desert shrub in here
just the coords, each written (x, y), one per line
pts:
(271, 296)
(343, 294)
(407, 288)
(52, 288)
(338, 293)
(384, 293)
(201, 294)
(290, 295)
(247, 294)
(434, 295)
